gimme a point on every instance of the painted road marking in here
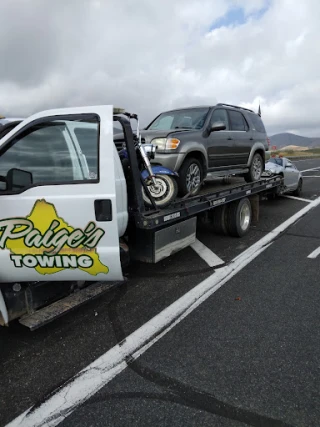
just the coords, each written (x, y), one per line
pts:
(91, 379)
(315, 253)
(305, 160)
(312, 169)
(298, 198)
(206, 254)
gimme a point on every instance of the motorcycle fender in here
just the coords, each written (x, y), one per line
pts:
(158, 170)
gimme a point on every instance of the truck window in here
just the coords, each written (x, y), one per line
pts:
(46, 152)
(87, 138)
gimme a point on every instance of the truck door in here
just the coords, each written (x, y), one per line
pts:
(58, 216)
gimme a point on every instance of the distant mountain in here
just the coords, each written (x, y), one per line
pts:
(281, 140)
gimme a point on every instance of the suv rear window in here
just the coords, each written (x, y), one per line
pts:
(237, 121)
(257, 123)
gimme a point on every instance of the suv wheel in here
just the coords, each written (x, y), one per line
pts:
(256, 169)
(190, 177)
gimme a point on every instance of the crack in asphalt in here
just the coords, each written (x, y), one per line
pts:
(303, 235)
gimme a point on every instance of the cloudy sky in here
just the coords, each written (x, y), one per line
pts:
(149, 56)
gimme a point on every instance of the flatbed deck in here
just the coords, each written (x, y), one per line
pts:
(214, 193)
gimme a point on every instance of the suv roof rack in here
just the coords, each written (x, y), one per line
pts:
(235, 106)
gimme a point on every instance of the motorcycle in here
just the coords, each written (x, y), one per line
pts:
(160, 181)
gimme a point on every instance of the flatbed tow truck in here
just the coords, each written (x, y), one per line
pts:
(81, 233)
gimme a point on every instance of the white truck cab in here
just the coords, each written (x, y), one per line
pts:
(61, 216)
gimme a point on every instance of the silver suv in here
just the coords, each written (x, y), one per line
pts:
(221, 140)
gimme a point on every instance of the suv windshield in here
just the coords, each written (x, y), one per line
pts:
(193, 118)
(277, 161)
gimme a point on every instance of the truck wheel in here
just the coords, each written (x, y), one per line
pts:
(190, 177)
(239, 217)
(256, 169)
(218, 219)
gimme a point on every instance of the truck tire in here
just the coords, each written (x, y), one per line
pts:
(239, 217)
(190, 173)
(218, 217)
(256, 169)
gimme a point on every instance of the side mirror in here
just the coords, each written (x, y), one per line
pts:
(217, 126)
(18, 179)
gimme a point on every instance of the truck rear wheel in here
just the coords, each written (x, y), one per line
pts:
(239, 217)
(218, 219)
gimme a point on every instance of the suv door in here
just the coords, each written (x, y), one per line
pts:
(241, 135)
(219, 143)
(58, 215)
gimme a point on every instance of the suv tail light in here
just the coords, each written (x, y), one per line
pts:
(268, 141)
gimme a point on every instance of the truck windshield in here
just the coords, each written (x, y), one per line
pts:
(193, 118)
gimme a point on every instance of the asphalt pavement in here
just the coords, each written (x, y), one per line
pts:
(248, 355)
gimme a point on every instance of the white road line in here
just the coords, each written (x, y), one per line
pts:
(95, 376)
(206, 254)
(305, 160)
(298, 198)
(315, 253)
(312, 169)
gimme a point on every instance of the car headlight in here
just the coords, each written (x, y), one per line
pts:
(166, 143)
(160, 143)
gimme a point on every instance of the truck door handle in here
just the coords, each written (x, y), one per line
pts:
(230, 138)
(103, 210)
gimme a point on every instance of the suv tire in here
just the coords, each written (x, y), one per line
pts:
(256, 169)
(190, 177)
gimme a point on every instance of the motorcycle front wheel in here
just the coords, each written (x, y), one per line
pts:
(164, 193)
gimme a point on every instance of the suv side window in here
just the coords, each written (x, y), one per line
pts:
(257, 123)
(48, 152)
(237, 121)
(220, 115)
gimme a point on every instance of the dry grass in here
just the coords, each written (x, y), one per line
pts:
(312, 152)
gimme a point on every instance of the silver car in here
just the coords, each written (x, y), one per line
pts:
(292, 176)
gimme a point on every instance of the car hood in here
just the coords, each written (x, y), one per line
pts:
(149, 135)
(272, 167)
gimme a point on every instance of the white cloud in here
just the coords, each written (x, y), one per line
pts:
(151, 56)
